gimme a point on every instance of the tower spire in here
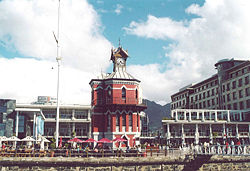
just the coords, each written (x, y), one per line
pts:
(119, 42)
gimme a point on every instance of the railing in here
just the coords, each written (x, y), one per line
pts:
(148, 152)
(189, 133)
(222, 150)
(119, 100)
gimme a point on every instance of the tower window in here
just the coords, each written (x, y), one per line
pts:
(123, 93)
(108, 124)
(124, 120)
(118, 120)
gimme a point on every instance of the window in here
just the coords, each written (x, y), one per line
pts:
(234, 96)
(212, 92)
(99, 96)
(123, 93)
(228, 86)
(208, 93)
(196, 97)
(123, 119)
(234, 84)
(192, 99)
(241, 105)
(109, 92)
(240, 82)
(247, 91)
(81, 114)
(130, 119)
(213, 102)
(246, 80)
(208, 103)
(204, 95)
(228, 97)
(108, 120)
(117, 119)
(1, 117)
(204, 104)
(235, 106)
(240, 94)
(199, 96)
(223, 88)
(228, 107)
(136, 94)
(248, 103)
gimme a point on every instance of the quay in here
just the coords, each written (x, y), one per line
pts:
(184, 163)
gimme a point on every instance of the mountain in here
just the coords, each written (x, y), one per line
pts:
(155, 113)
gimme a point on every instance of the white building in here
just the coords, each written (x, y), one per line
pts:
(215, 109)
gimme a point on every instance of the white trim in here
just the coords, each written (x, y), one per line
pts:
(117, 111)
(99, 87)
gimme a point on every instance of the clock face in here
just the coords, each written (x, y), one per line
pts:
(120, 61)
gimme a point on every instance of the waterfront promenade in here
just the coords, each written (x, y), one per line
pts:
(198, 158)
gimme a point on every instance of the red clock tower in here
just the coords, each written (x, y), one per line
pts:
(117, 102)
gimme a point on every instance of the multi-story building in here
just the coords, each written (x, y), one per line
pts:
(74, 120)
(215, 109)
(7, 107)
(228, 89)
(117, 103)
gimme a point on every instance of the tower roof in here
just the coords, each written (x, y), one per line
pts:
(119, 52)
(119, 73)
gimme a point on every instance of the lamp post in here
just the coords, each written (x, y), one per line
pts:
(58, 59)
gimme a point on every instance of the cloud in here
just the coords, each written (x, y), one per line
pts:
(220, 29)
(25, 79)
(118, 9)
(26, 27)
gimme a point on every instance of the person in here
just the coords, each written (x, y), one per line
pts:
(3, 146)
(227, 144)
(232, 146)
(238, 147)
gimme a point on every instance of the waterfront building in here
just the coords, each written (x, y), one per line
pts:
(215, 109)
(117, 102)
(229, 89)
(40, 118)
(7, 107)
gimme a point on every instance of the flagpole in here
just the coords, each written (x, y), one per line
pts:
(58, 59)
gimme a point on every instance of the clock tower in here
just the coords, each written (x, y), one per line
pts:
(117, 103)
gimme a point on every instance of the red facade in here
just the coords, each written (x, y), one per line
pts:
(117, 103)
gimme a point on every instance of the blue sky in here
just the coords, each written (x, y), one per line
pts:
(142, 50)
(171, 43)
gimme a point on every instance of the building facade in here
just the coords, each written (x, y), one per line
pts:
(229, 89)
(214, 110)
(117, 102)
(40, 118)
(7, 107)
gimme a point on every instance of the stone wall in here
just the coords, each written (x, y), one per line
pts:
(202, 163)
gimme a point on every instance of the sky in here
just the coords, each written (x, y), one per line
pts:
(171, 43)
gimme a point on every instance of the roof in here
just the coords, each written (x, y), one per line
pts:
(119, 73)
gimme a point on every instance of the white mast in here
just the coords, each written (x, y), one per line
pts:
(58, 59)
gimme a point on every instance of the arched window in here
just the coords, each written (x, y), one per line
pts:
(109, 92)
(117, 119)
(108, 120)
(99, 96)
(123, 119)
(123, 93)
(130, 119)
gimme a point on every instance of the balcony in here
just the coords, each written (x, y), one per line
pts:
(120, 101)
